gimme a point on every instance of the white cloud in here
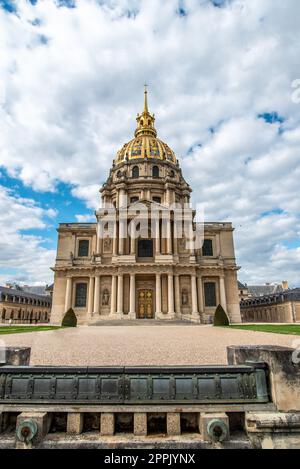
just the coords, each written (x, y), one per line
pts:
(70, 104)
(19, 251)
(85, 218)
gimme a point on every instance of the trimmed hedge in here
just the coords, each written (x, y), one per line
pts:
(221, 318)
(69, 319)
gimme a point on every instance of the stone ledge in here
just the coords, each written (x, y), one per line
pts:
(284, 374)
(15, 356)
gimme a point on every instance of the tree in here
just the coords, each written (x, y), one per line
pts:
(221, 318)
(69, 319)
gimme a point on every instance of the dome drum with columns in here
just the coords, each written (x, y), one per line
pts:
(105, 276)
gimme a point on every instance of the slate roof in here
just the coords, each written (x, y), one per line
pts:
(279, 297)
(24, 294)
(263, 290)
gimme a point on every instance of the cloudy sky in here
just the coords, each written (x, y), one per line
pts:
(220, 77)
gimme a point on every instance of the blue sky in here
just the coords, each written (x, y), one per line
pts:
(220, 77)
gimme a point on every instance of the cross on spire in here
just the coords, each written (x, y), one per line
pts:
(146, 98)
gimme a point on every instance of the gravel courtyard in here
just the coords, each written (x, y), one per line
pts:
(138, 344)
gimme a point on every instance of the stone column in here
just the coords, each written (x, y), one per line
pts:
(120, 294)
(200, 298)
(223, 293)
(132, 296)
(168, 197)
(194, 295)
(169, 237)
(177, 296)
(122, 198)
(115, 239)
(97, 295)
(68, 297)
(157, 237)
(170, 296)
(121, 238)
(99, 245)
(91, 295)
(113, 303)
(175, 239)
(132, 245)
(98, 242)
(218, 246)
(158, 295)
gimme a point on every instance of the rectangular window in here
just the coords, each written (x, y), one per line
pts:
(145, 248)
(83, 248)
(157, 200)
(134, 199)
(80, 295)
(207, 248)
(210, 294)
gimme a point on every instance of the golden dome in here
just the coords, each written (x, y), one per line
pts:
(145, 144)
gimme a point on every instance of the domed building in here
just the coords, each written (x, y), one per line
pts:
(142, 258)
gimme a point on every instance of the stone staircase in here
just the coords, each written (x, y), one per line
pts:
(143, 322)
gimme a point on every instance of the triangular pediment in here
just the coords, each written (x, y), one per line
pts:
(150, 204)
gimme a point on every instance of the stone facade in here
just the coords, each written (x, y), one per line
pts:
(279, 308)
(104, 274)
(21, 307)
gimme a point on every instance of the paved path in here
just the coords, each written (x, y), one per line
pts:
(139, 344)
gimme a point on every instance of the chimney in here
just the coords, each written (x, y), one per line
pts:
(285, 284)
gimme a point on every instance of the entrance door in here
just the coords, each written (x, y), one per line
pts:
(145, 309)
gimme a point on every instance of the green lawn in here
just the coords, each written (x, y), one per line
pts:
(292, 329)
(19, 329)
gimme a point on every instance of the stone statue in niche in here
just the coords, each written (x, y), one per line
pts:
(184, 298)
(107, 244)
(105, 297)
(182, 243)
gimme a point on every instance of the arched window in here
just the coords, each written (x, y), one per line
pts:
(135, 172)
(155, 172)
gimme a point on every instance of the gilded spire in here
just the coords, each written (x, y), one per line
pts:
(145, 120)
(146, 111)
